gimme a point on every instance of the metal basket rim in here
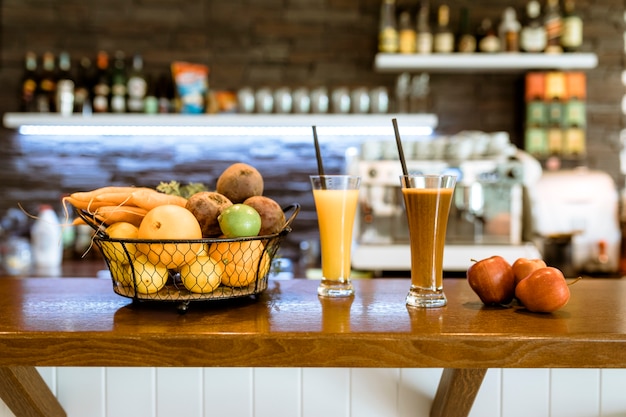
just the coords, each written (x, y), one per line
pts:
(101, 235)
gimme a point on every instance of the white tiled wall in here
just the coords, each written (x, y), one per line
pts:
(335, 392)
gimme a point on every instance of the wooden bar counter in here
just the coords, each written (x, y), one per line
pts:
(82, 322)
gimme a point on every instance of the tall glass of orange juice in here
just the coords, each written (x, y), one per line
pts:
(336, 198)
(427, 199)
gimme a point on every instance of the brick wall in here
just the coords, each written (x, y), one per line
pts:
(256, 43)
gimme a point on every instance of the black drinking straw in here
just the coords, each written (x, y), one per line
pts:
(399, 143)
(318, 154)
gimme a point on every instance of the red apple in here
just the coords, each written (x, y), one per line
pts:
(523, 267)
(543, 291)
(492, 279)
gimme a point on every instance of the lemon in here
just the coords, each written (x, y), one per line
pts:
(115, 250)
(121, 273)
(202, 275)
(149, 278)
(240, 220)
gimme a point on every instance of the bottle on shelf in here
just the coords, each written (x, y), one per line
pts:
(47, 84)
(84, 86)
(533, 37)
(102, 86)
(46, 242)
(488, 41)
(407, 37)
(29, 83)
(466, 39)
(65, 66)
(509, 31)
(151, 101)
(424, 36)
(572, 35)
(165, 93)
(137, 86)
(118, 83)
(443, 38)
(553, 22)
(388, 31)
(65, 86)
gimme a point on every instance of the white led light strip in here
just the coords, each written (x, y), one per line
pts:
(147, 130)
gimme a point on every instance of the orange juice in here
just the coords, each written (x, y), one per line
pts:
(336, 210)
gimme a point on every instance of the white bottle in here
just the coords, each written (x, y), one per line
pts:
(46, 241)
(509, 31)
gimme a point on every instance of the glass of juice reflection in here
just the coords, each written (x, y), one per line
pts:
(336, 198)
(427, 200)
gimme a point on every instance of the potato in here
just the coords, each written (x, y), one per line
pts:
(272, 215)
(240, 181)
(206, 206)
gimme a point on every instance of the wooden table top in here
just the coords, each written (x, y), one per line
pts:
(82, 322)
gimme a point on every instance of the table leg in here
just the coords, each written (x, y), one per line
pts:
(456, 392)
(26, 394)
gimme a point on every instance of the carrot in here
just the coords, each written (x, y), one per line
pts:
(93, 194)
(88, 206)
(149, 199)
(113, 214)
(119, 198)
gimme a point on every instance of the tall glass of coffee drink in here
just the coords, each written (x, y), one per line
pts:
(427, 199)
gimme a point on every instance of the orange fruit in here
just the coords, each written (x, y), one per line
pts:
(167, 222)
(243, 261)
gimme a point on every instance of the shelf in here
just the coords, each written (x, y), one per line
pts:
(218, 125)
(481, 62)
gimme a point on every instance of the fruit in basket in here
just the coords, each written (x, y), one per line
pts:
(492, 279)
(114, 251)
(523, 267)
(240, 181)
(243, 261)
(121, 272)
(239, 220)
(122, 230)
(203, 275)
(206, 206)
(545, 290)
(272, 215)
(169, 222)
(149, 278)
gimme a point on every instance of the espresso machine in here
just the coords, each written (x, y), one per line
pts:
(489, 213)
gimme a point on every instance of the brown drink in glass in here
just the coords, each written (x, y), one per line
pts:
(427, 199)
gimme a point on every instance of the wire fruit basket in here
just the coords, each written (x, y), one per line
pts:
(189, 270)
